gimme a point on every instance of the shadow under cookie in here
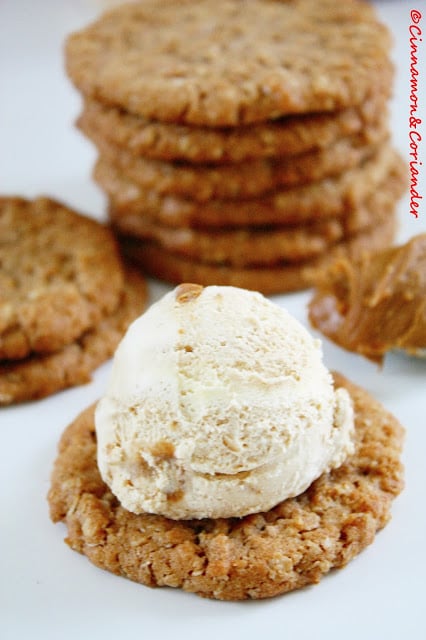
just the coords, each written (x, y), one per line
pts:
(257, 556)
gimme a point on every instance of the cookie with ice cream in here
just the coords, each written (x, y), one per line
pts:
(224, 458)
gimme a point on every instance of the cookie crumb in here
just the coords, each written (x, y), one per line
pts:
(163, 449)
(187, 291)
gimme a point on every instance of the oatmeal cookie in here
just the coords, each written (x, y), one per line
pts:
(330, 197)
(230, 62)
(257, 556)
(248, 179)
(39, 376)
(60, 274)
(249, 246)
(276, 138)
(278, 278)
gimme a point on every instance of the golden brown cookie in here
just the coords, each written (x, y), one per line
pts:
(228, 62)
(42, 375)
(276, 138)
(278, 278)
(376, 304)
(246, 179)
(60, 274)
(205, 241)
(330, 197)
(249, 246)
(258, 556)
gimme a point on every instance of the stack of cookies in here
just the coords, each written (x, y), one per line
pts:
(241, 143)
(65, 298)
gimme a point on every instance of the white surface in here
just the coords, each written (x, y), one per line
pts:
(50, 592)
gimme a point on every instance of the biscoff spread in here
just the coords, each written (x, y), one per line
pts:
(376, 304)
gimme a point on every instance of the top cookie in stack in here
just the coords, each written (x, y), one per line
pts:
(242, 143)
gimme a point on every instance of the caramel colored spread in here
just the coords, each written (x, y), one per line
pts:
(376, 304)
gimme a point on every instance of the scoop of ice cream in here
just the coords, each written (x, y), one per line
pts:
(219, 405)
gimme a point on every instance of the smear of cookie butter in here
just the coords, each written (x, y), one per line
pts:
(376, 304)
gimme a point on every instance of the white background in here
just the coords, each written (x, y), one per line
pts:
(48, 591)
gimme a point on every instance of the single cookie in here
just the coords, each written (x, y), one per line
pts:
(42, 375)
(377, 303)
(327, 198)
(257, 556)
(246, 179)
(60, 274)
(229, 62)
(280, 138)
(279, 278)
(251, 246)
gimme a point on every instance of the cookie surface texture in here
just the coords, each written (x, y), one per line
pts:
(60, 274)
(325, 198)
(251, 246)
(258, 556)
(231, 62)
(246, 179)
(42, 375)
(278, 278)
(285, 136)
